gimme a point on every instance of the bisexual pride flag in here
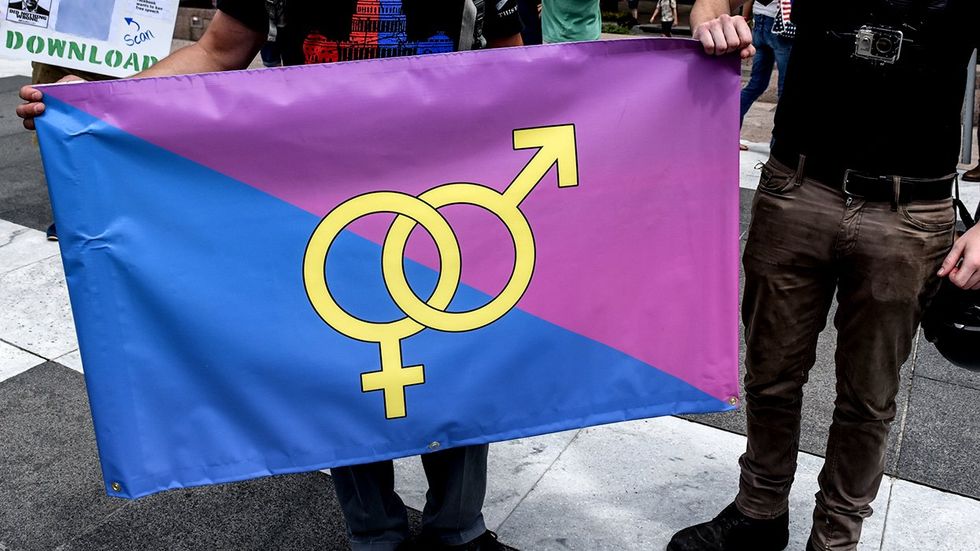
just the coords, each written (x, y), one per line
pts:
(285, 270)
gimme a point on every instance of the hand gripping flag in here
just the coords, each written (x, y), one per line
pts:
(292, 269)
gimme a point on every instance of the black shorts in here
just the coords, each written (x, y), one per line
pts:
(666, 26)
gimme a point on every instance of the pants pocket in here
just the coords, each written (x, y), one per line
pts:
(929, 216)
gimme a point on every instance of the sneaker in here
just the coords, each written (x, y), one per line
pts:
(733, 531)
(486, 542)
(52, 234)
(972, 175)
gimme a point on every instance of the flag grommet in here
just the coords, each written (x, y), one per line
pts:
(434, 446)
(733, 400)
(116, 487)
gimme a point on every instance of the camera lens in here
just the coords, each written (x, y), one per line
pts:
(885, 45)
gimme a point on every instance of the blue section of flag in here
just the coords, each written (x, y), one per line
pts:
(206, 363)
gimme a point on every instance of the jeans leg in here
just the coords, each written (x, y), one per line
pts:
(782, 48)
(453, 513)
(376, 517)
(762, 65)
(789, 286)
(887, 274)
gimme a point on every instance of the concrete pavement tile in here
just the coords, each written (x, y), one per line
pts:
(923, 518)
(294, 512)
(9, 99)
(23, 193)
(37, 314)
(45, 414)
(20, 246)
(632, 485)
(50, 481)
(942, 437)
(14, 361)
(931, 364)
(514, 467)
(970, 194)
(71, 360)
(748, 163)
(13, 74)
(745, 211)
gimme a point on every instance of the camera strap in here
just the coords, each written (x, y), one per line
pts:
(964, 211)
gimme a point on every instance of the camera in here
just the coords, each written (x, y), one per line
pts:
(878, 44)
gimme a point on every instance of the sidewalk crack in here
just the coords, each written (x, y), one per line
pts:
(888, 508)
(538, 481)
(67, 545)
(908, 405)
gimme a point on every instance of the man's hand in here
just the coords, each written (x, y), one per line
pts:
(962, 265)
(724, 35)
(34, 106)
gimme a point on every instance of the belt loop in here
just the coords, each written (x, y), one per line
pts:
(897, 190)
(800, 171)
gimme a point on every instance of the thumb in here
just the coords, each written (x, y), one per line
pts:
(953, 257)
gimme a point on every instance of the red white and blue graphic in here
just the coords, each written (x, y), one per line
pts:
(292, 269)
(379, 28)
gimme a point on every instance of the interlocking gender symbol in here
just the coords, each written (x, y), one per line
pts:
(556, 145)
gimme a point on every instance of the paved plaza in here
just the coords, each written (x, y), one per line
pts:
(627, 486)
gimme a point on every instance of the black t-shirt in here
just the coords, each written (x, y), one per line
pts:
(902, 119)
(322, 31)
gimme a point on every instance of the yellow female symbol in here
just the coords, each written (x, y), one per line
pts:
(393, 378)
(557, 147)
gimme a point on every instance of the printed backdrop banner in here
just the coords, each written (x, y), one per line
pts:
(110, 37)
(285, 270)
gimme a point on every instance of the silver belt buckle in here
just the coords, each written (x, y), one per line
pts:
(847, 179)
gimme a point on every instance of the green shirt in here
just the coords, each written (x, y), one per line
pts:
(570, 20)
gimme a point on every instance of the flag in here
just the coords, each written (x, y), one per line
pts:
(285, 270)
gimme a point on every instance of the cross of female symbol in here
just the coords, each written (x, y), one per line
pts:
(556, 146)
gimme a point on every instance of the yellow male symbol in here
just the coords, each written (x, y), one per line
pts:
(556, 145)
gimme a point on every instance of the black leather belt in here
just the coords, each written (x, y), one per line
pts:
(870, 187)
(882, 188)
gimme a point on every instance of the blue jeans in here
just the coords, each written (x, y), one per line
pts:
(771, 50)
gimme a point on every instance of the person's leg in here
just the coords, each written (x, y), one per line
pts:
(762, 65)
(453, 513)
(789, 286)
(634, 7)
(782, 47)
(889, 262)
(376, 517)
(667, 26)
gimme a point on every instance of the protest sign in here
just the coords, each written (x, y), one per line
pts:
(110, 37)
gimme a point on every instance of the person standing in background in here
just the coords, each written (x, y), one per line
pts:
(667, 9)
(771, 50)
(530, 11)
(570, 20)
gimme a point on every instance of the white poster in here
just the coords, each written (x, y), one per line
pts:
(109, 37)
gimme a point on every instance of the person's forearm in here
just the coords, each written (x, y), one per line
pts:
(706, 10)
(226, 46)
(188, 60)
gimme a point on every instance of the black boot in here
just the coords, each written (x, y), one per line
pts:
(733, 531)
